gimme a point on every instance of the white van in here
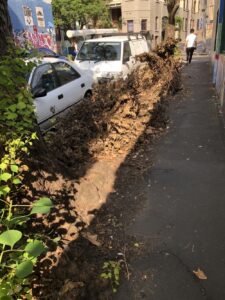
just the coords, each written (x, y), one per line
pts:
(111, 57)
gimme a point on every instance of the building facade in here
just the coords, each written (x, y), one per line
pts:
(152, 15)
(116, 13)
(218, 50)
(209, 19)
(32, 23)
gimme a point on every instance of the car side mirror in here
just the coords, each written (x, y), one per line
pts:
(39, 92)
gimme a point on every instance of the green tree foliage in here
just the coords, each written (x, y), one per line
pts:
(19, 251)
(69, 13)
(16, 103)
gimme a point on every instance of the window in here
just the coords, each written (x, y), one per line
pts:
(126, 52)
(156, 23)
(198, 24)
(100, 51)
(197, 6)
(65, 72)
(44, 77)
(144, 24)
(186, 24)
(192, 24)
(194, 7)
(187, 5)
(130, 26)
(164, 24)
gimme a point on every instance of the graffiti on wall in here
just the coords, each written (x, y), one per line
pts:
(27, 39)
(28, 18)
(40, 16)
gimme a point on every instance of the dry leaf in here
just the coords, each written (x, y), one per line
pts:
(200, 274)
(70, 285)
(92, 238)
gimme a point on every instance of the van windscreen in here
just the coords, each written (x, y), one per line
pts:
(99, 51)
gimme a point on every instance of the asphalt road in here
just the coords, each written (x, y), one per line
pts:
(185, 211)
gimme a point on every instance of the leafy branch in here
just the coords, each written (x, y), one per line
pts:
(19, 251)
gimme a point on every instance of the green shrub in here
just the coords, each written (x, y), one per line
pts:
(18, 251)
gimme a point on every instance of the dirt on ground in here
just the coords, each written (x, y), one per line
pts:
(86, 166)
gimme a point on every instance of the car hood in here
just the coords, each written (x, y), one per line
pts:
(99, 69)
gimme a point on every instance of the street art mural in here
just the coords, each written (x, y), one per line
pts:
(27, 39)
(32, 23)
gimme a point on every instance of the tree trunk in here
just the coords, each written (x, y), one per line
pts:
(172, 8)
(170, 31)
(5, 26)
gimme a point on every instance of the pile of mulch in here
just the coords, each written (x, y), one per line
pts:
(117, 112)
(105, 126)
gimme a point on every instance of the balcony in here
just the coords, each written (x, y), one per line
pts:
(115, 3)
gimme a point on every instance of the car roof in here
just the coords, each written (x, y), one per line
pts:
(44, 60)
(44, 48)
(116, 38)
(109, 39)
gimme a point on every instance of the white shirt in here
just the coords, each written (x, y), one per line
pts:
(191, 39)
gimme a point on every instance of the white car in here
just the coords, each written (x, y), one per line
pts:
(56, 85)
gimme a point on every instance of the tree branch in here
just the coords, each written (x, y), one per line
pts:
(172, 13)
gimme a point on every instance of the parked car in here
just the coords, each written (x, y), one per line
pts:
(56, 85)
(111, 57)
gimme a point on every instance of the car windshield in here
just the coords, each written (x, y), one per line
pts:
(99, 51)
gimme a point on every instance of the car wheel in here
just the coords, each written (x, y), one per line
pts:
(88, 95)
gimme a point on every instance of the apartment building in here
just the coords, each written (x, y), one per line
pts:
(148, 15)
(194, 16)
(152, 15)
(184, 25)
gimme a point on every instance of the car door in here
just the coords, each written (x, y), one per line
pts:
(128, 60)
(72, 84)
(44, 78)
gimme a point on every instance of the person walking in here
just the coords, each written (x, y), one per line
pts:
(191, 45)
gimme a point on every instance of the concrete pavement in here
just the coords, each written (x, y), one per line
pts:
(185, 211)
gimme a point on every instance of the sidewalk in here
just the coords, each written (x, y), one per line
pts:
(185, 214)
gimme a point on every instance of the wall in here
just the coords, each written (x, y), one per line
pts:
(218, 50)
(192, 12)
(138, 10)
(32, 22)
(219, 77)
